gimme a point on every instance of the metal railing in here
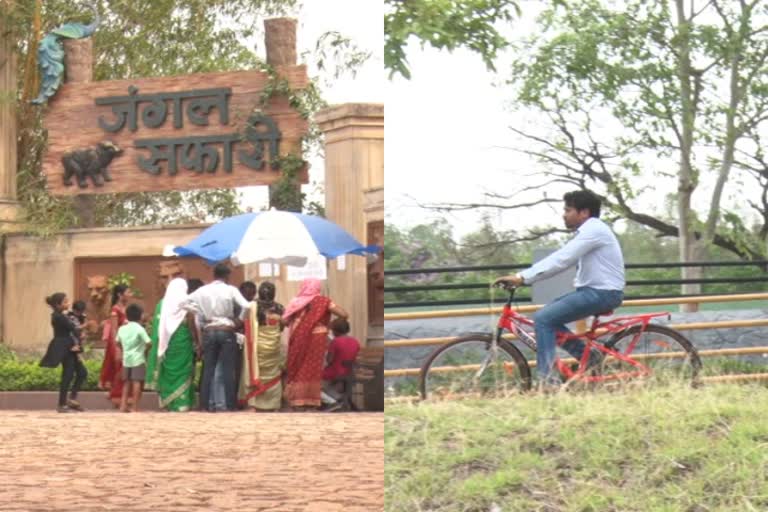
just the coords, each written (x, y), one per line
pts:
(631, 283)
(647, 302)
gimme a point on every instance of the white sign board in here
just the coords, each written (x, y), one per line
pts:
(269, 270)
(315, 268)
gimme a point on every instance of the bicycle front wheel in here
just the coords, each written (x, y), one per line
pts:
(467, 368)
(665, 352)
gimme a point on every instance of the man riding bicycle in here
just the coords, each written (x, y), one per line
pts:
(599, 281)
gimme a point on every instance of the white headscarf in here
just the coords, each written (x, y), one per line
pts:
(171, 315)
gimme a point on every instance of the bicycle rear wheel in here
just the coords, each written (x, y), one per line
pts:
(465, 368)
(665, 352)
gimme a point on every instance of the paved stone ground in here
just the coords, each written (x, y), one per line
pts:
(316, 462)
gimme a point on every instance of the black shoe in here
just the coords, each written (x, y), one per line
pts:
(75, 405)
(63, 408)
(594, 364)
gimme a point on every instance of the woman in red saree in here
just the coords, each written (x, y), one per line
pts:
(111, 376)
(307, 316)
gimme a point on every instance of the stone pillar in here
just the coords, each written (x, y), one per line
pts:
(280, 42)
(9, 206)
(354, 181)
(78, 66)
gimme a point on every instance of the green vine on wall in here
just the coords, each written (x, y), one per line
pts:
(126, 279)
(285, 194)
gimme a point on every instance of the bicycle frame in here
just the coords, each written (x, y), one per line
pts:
(513, 322)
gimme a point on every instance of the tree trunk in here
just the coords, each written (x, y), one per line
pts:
(731, 132)
(686, 177)
(9, 207)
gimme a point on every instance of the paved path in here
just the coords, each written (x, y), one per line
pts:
(317, 462)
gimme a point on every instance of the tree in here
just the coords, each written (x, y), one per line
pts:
(140, 39)
(444, 24)
(650, 81)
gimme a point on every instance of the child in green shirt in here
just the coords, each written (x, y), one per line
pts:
(134, 342)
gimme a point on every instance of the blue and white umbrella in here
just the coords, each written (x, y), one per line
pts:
(272, 237)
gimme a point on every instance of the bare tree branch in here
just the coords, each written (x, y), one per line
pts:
(696, 14)
(449, 206)
(531, 236)
(723, 16)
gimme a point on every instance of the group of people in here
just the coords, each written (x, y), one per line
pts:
(255, 353)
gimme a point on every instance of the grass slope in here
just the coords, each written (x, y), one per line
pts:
(648, 449)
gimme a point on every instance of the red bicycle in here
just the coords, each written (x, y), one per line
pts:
(490, 364)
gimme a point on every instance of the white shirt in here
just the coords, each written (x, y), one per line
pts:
(597, 253)
(214, 303)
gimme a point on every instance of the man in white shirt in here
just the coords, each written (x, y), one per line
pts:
(599, 280)
(214, 303)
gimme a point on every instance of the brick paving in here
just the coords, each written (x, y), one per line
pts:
(316, 462)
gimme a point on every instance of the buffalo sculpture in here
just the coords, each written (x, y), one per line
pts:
(83, 163)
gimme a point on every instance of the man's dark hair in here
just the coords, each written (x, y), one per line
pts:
(133, 312)
(193, 284)
(221, 271)
(79, 306)
(583, 200)
(248, 289)
(339, 326)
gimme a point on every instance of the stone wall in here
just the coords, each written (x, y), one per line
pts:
(33, 268)
(354, 198)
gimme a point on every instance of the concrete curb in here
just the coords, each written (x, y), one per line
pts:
(47, 400)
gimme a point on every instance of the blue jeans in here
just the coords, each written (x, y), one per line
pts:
(218, 400)
(219, 346)
(552, 318)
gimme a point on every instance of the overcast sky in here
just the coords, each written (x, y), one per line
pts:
(443, 129)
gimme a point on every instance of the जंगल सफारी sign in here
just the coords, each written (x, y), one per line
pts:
(173, 133)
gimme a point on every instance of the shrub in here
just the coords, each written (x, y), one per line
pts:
(29, 376)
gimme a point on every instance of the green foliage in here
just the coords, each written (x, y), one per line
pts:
(333, 50)
(286, 194)
(445, 24)
(127, 279)
(29, 376)
(6, 354)
(626, 65)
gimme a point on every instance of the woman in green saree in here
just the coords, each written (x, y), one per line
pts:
(261, 379)
(171, 362)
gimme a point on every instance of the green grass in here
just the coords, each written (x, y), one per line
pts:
(648, 449)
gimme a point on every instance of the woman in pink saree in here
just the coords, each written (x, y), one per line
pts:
(307, 316)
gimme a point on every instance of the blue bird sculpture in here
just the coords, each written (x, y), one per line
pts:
(50, 55)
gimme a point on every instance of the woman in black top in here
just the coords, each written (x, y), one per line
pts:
(63, 350)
